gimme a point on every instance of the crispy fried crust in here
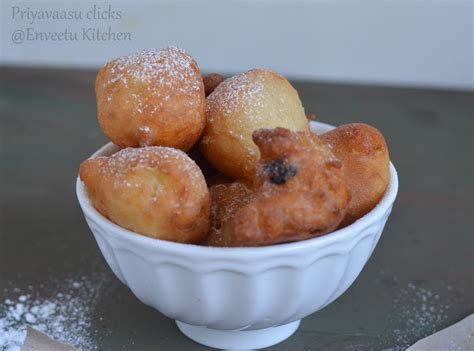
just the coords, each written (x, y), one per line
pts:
(155, 191)
(227, 199)
(300, 189)
(155, 97)
(239, 106)
(364, 153)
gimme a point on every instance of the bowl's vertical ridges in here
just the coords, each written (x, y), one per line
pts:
(253, 288)
(216, 295)
(233, 298)
(277, 295)
(238, 296)
(320, 279)
(353, 266)
(170, 294)
(106, 249)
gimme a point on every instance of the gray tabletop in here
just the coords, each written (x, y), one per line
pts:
(420, 278)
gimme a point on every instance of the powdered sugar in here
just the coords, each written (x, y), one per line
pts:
(160, 70)
(247, 102)
(420, 310)
(153, 158)
(166, 66)
(145, 130)
(146, 136)
(416, 311)
(236, 93)
(65, 315)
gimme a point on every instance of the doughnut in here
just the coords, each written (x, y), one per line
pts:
(227, 199)
(300, 192)
(240, 105)
(364, 154)
(155, 191)
(151, 98)
(211, 81)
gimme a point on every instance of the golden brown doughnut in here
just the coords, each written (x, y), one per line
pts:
(364, 154)
(227, 199)
(155, 97)
(211, 81)
(155, 191)
(240, 105)
(300, 189)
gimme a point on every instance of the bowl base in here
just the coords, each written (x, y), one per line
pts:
(236, 339)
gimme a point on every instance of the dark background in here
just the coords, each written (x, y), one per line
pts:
(419, 279)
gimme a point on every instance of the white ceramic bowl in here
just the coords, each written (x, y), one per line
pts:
(239, 298)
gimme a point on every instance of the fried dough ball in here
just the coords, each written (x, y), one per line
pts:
(155, 191)
(301, 192)
(211, 81)
(154, 97)
(364, 154)
(239, 106)
(227, 199)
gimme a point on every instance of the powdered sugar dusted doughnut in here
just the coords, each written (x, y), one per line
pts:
(155, 191)
(240, 105)
(154, 97)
